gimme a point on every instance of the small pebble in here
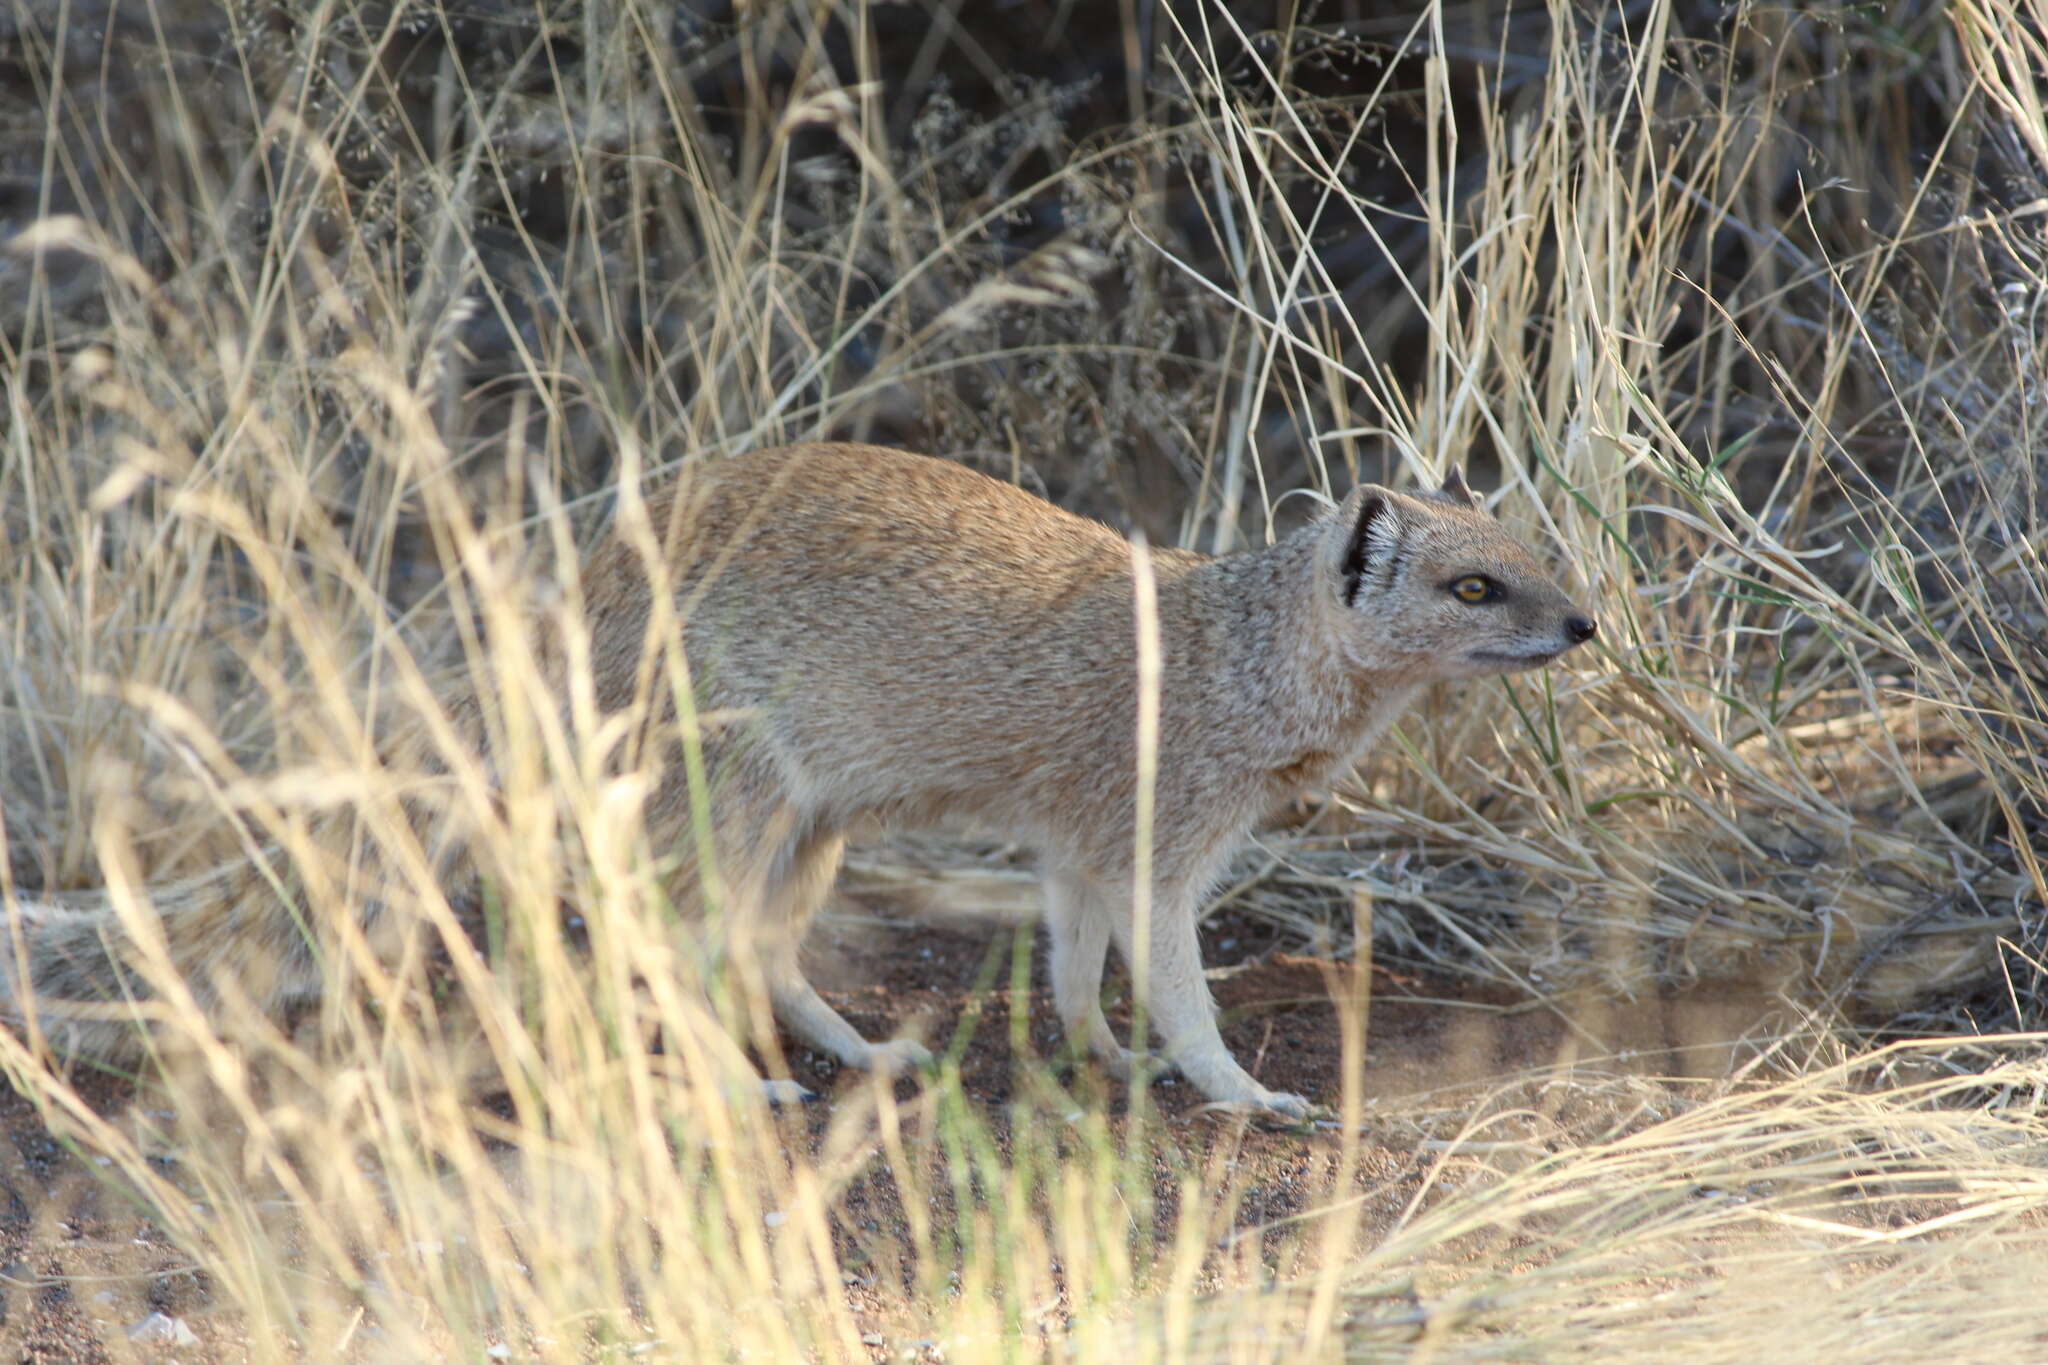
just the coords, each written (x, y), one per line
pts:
(159, 1327)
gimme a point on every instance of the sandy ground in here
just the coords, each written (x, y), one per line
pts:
(83, 1269)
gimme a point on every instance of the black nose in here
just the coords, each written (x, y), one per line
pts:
(1580, 628)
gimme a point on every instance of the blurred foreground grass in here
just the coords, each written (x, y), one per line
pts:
(331, 330)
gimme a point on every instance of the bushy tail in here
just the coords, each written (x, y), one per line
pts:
(70, 969)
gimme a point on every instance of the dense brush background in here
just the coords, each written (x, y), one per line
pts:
(330, 328)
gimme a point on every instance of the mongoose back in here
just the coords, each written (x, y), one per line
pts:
(880, 634)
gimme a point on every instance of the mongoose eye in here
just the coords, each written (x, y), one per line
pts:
(1474, 588)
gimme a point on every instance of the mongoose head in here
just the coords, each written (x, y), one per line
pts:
(1431, 587)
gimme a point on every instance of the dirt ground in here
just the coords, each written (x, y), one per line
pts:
(82, 1271)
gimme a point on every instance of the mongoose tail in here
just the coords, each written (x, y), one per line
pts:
(225, 933)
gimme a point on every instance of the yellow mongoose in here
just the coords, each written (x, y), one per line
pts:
(902, 637)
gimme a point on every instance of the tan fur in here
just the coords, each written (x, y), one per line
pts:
(883, 634)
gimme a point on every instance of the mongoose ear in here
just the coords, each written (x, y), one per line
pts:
(1454, 485)
(1369, 540)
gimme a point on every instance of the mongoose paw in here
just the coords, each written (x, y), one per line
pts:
(1293, 1113)
(1272, 1109)
(899, 1055)
(1114, 1062)
(1135, 1068)
(787, 1094)
(1281, 1102)
(1293, 1109)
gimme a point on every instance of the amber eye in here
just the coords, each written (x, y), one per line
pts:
(1473, 589)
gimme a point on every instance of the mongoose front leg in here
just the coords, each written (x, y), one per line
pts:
(1176, 999)
(1078, 916)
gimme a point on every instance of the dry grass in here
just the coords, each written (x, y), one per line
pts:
(329, 339)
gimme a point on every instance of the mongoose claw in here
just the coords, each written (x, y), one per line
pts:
(1275, 1110)
(900, 1055)
(787, 1094)
(1290, 1110)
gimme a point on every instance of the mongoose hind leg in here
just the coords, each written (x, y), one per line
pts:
(772, 872)
(799, 880)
